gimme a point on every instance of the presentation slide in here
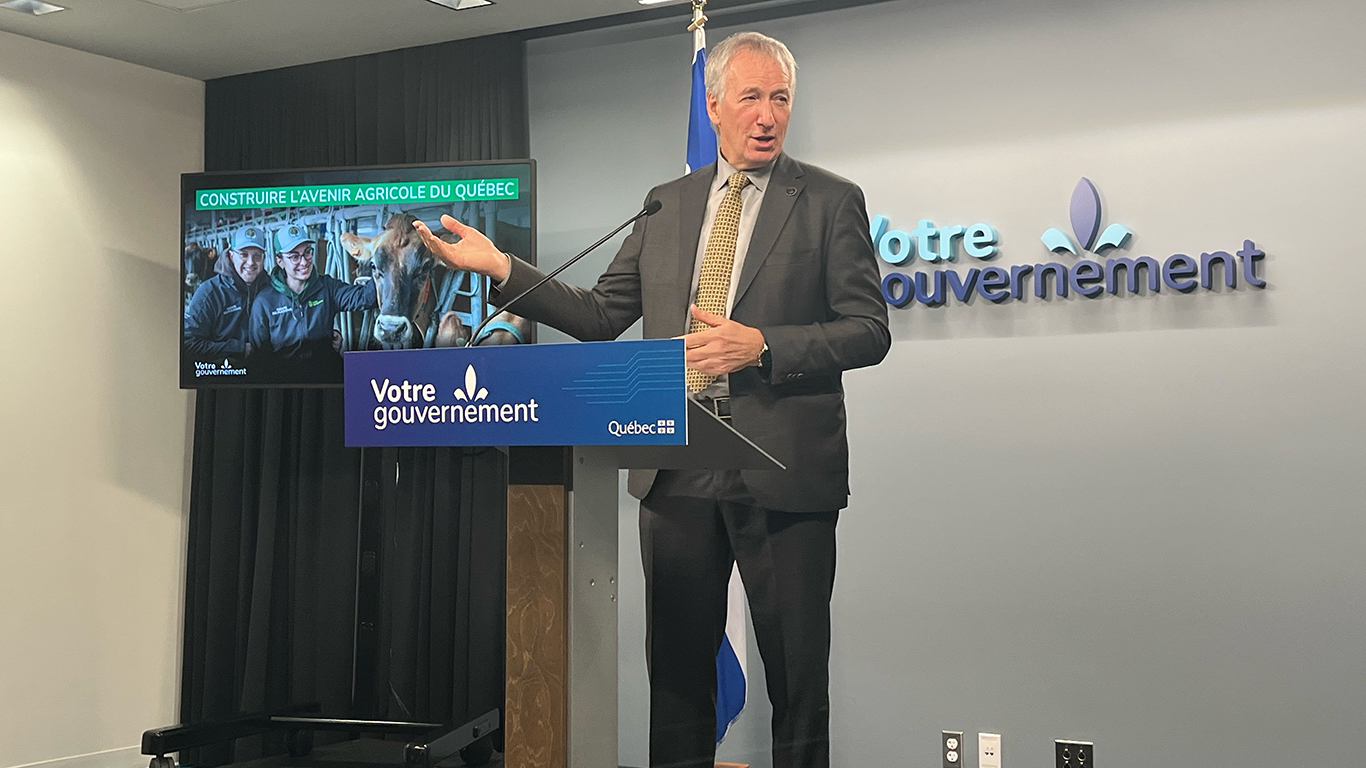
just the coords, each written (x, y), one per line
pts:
(282, 272)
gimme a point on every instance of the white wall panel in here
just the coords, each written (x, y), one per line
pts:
(93, 460)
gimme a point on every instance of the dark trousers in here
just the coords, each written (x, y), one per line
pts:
(787, 561)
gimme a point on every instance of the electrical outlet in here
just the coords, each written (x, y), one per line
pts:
(1074, 754)
(988, 750)
(952, 748)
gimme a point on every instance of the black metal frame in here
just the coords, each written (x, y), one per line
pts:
(435, 742)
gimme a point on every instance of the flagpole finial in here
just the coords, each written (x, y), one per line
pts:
(699, 19)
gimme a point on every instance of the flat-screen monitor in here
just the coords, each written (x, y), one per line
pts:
(283, 271)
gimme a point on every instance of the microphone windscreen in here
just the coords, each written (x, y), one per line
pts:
(652, 207)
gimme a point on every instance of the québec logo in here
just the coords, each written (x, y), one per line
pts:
(1086, 224)
(1053, 280)
(634, 427)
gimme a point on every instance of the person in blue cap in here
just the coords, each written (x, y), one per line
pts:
(217, 317)
(291, 321)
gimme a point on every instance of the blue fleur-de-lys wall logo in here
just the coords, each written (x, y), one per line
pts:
(1086, 217)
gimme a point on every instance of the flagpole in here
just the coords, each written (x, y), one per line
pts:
(698, 27)
(699, 19)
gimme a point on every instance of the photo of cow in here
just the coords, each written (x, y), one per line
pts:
(274, 296)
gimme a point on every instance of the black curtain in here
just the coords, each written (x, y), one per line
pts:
(369, 583)
(464, 100)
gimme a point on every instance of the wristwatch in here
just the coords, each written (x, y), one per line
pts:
(765, 359)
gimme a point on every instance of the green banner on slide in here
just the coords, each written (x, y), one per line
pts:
(357, 194)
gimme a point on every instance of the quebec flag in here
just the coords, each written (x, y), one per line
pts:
(701, 137)
(730, 663)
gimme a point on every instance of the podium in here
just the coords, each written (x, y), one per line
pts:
(571, 416)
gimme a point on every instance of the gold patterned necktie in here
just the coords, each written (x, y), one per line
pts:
(713, 285)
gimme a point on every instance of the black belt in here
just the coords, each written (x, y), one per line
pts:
(719, 406)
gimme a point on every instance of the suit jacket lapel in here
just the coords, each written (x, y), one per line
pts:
(692, 208)
(784, 187)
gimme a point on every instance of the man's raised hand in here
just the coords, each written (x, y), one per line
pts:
(474, 252)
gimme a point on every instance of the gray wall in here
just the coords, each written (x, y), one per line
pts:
(95, 448)
(1135, 520)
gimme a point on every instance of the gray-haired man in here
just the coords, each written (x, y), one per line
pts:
(767, 266)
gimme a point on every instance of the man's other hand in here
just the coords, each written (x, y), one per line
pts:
(474, 252)
(725, 347)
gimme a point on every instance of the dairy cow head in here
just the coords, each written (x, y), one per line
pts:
(200, 264)
(401, 267)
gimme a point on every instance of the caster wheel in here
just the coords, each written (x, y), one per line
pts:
(162, 762)
(478, 753)
(300, 743)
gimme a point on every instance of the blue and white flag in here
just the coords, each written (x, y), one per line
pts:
(701, 136)
(731, 664)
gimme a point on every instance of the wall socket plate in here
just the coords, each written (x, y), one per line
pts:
(951, 748)
(1074, 754)
(988, 750)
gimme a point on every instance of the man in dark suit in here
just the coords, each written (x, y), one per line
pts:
(767, 265)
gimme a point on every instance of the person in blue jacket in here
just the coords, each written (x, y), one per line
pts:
(291, 320)
(217, 317)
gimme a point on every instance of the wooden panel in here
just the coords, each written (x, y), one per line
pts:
(537, 635)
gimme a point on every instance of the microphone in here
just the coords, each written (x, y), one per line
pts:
(650, 209)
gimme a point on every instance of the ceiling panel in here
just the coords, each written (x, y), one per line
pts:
(213, 38)
(187, 5)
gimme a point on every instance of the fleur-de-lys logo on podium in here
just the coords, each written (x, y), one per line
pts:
(1085, 210)
(469, 393)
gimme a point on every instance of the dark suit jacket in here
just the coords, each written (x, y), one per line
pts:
(809, 282)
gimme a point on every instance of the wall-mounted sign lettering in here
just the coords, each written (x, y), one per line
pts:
(1116, 275)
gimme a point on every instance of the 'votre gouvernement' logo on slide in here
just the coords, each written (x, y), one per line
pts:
(211, 369)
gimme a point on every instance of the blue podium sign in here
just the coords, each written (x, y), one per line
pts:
(593, 393)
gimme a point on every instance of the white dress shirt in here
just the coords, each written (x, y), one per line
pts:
(751, 197)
